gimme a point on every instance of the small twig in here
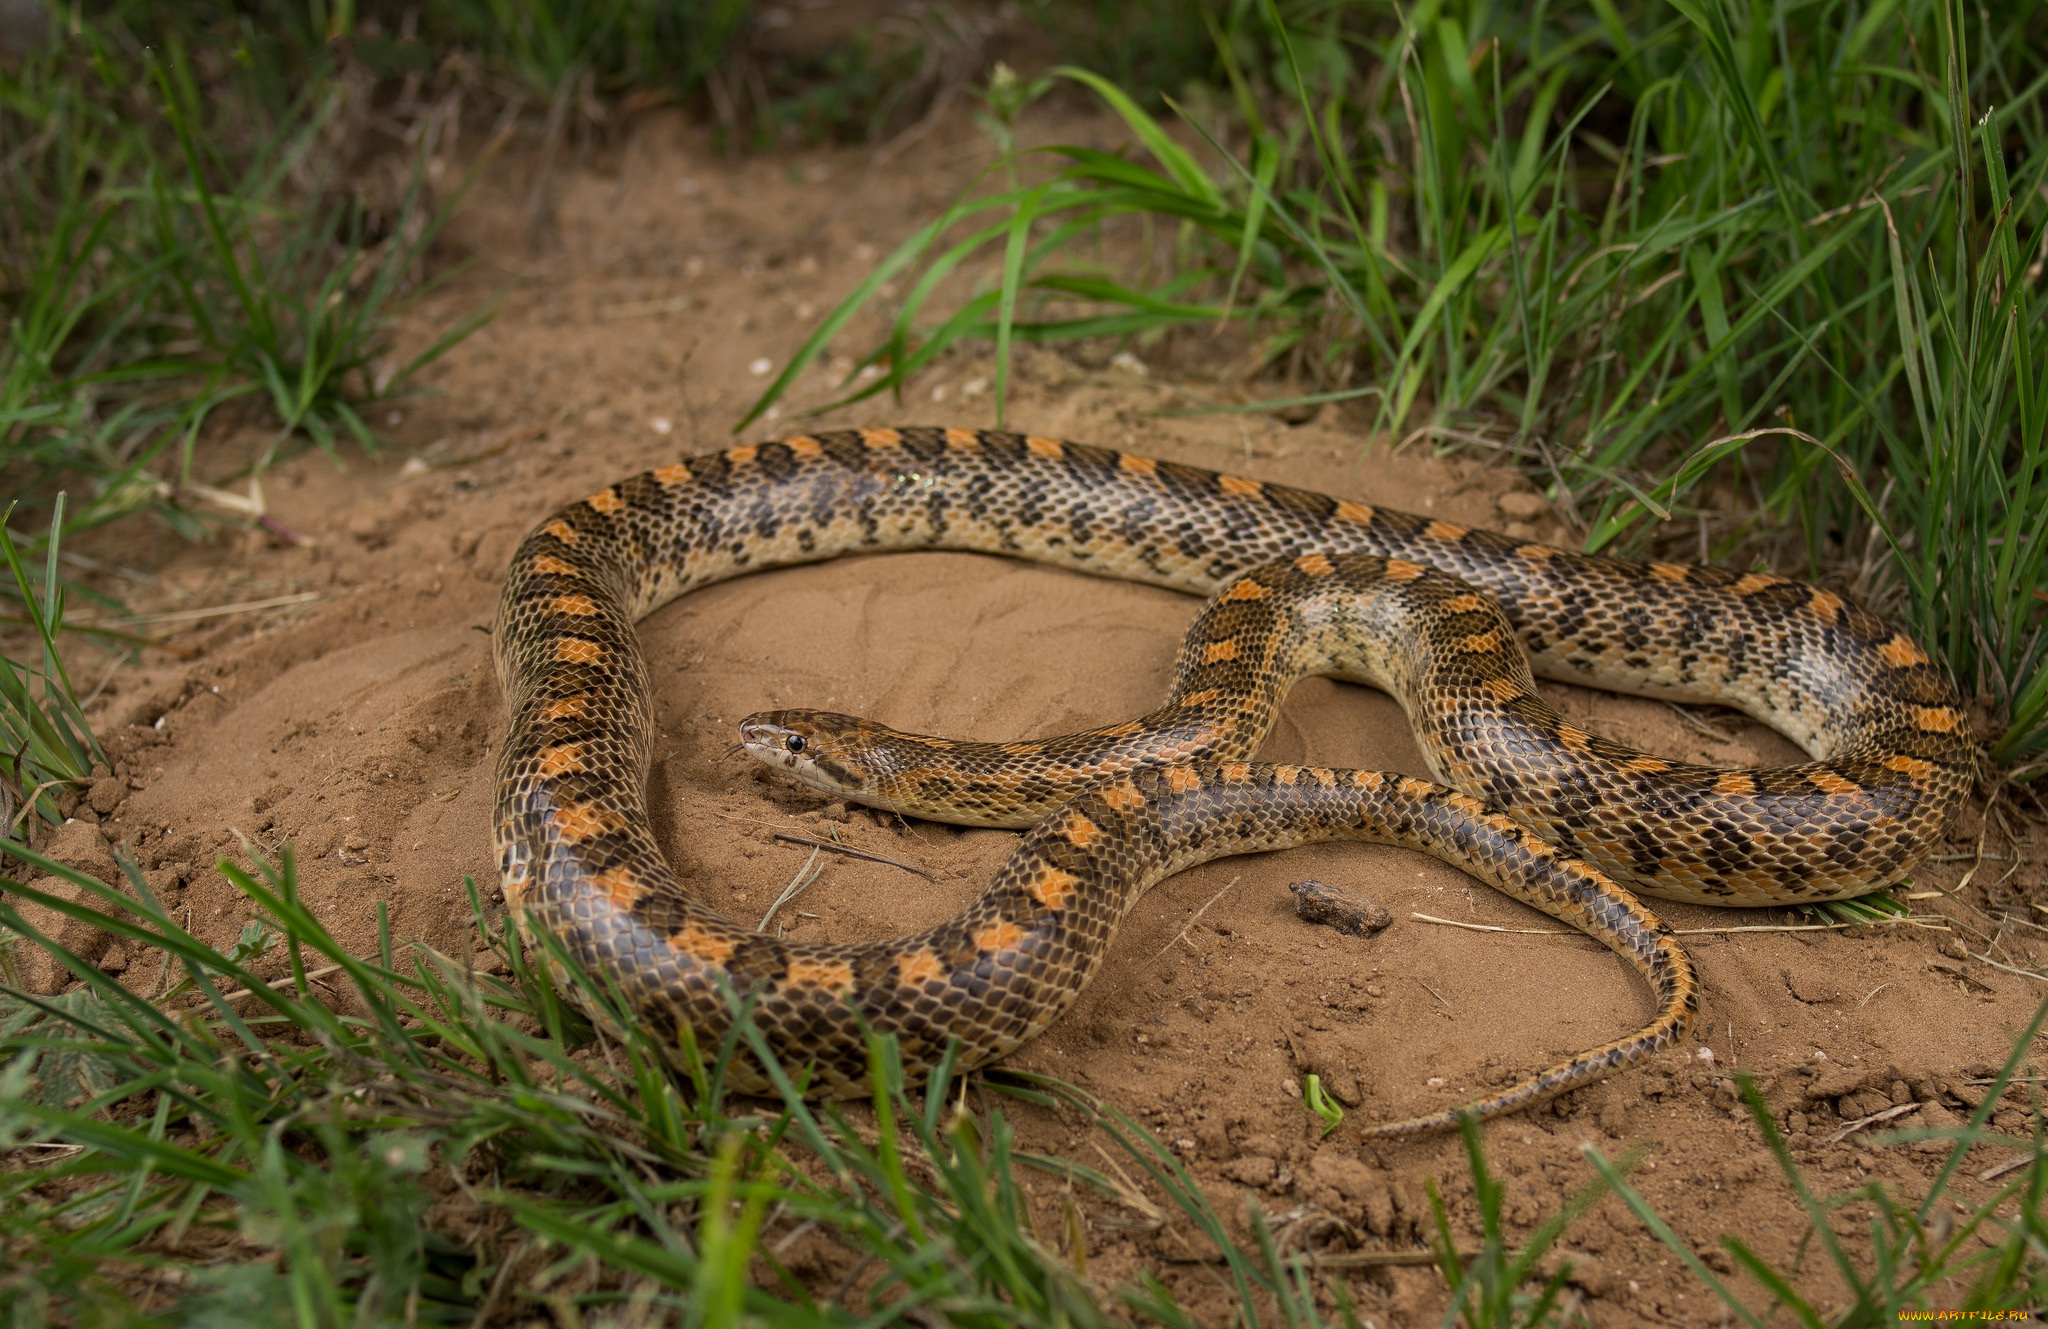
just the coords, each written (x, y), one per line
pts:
(1873, 992)
(1190, 923)
(1961, 976)
(1998, 1170)
(284, 982)
(214, 611)
(805, 875)
(1899, 1111)
(851, 852)
(1432, 992)
(1488, 927)
(1701, 725)
(2023, 973)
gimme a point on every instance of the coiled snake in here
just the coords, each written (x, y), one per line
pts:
(1302, 583)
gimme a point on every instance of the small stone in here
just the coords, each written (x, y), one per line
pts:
(836, 812)
(1935, 1117)
(1250, 1170)
(1590, 1276)
(107, 793)
(1317, 903)
(1954, 949)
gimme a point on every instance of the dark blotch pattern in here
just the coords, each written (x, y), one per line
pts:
(576, 855)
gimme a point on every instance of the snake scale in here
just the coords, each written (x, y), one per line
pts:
(1529, 803)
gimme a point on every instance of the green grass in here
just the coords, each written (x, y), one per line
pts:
(173, 247)
(1751, 281)
(396, 1138)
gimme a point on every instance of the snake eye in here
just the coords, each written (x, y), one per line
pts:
(795, 742)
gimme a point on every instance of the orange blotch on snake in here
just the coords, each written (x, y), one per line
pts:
(1315, 565)
(1938, 719)
(1464, 604)
(1281, 774)
(1217, 651)
(1237, 772)
(1735, 784)
(1045, 447)
(1446, 530)
(565, 759)
(702, 944)
(1646, 766)
(1124, 730)
(963, 440)
(1323, 776)
(1573, 738)
(1537, 553)
(832, 975)
(577, 822)
(1756, 581)
(919, 968)
(1202, 698)
(567, 708)
(1238, 487)
(547, 565)
(618, 886)
(1181, 780)
(1123, 796)
(1081, 831)
(575, 650)
(575, 606)
(1482, 643)
(1054, 887)
(1357, 512)
(1504, 689)
(673, 476)
(1669, 571)
(1413, 788)
(878, 440)
(1467, 804)
(562, 530)
(1826, 605)
(804, 447)
(1913, 768)
(1023, 749)
(606, 501)
(742, 455)
(1901, 652)
(1245, 590)
(1137, 465)
(1833, 785)
(1400, 569)
(1367, 779)
(1001, 935)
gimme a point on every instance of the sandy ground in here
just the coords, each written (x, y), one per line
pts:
(360, 725)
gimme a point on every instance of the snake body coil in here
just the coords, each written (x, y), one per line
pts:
(1892, 752)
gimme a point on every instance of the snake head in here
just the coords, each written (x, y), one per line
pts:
(818, 747)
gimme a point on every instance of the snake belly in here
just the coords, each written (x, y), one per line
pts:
(1892, 752)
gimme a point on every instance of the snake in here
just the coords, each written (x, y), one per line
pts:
(1456, 622)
